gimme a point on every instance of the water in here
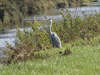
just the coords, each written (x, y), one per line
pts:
(80, 11)
(10, 35)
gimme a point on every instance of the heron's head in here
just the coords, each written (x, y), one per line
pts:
(50, 20)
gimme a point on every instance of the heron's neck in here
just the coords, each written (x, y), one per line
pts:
(50, 31)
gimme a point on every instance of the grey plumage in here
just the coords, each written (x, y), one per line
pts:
(55, 40)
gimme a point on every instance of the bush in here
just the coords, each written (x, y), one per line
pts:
(28, 42)
(68, 30)
(74, 28)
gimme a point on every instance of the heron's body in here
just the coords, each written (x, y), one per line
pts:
(54, 38)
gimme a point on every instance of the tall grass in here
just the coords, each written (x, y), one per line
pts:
(74, 28)
(29, 42)
(70, 29)
(84, 60)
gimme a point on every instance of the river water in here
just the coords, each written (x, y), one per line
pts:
(10, 34)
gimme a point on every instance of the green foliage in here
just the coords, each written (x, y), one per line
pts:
(16, 10)
(29, 42)
(84, 60)
(70, 29)
(75, 28)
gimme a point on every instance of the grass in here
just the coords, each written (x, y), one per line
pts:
(84, 60)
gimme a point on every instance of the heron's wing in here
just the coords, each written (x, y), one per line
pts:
(55, 38)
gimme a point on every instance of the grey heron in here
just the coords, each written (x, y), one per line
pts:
(55, 40)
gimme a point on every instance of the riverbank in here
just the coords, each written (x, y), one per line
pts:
(83, 59)
(13, 12)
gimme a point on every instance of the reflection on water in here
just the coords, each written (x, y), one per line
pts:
(9, 36)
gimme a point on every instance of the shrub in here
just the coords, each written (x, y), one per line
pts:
(74, 28)
(68, 30)
(29, 42)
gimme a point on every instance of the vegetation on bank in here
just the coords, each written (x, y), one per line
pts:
(12, 12)
(34, 53)
(84, 60)
(70, 29)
